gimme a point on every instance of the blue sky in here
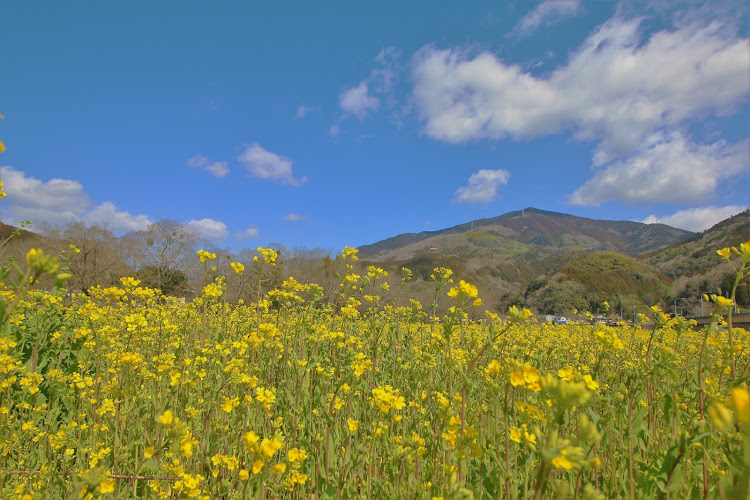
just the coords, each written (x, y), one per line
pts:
(322, 124)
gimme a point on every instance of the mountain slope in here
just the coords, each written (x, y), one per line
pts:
(530, 233)
(697, 254)
(588, 279)
(546, 260)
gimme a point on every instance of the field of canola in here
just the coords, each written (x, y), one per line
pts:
(125, 393)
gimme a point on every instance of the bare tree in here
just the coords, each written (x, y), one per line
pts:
(98, 258)
(165, 247)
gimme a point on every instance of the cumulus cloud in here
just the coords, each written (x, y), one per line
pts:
(209, 229)
(248, 234)
(357, 101)
(616, 90)
(117, 221)
(217, 168)
(613, 89)
(267, 165)
(294, 217)
(696, 219)
(366, 97)
(546, 13)
(482, 186)
(667, 169)
(58, 201)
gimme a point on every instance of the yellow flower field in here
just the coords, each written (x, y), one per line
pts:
(125, 393)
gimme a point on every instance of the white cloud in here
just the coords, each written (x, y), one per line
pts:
(217, 168)
(357, 102)
(366, 97)
(197, 161)
(616, 90)
(117, 221)
(267, 165)
(294, 217)
(56, 201)
(612, 89)
(386, 70)
(482, 186)
(303, 110)
(547, 12)
(696, 219)
(209, 229)
(668, 170)
(248, 234)
(59, 201)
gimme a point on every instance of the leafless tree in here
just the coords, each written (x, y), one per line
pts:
(166, 246)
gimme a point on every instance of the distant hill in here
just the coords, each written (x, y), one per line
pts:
(589, 279)
(531, 233)
(551, 262)
(6, 230)
(696, 268)
(697, 254)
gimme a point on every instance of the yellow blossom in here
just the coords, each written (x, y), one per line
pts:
(296, 455)
(268, 447)
(516, 379)
(251, 440)
(238, 268)
(741, 402)
(167, 419)
(515, 435)
(561, 462)
(494, 367)
(107, 486)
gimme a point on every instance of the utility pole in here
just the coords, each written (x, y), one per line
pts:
(675, 304)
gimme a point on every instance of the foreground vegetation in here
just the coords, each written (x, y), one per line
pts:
(124, 392)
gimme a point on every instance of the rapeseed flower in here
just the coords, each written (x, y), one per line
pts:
(296, 455)
(167, 419)
(269, 447)
(741, 403)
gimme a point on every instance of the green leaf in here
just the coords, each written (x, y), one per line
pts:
(637, 422)
(593, 415)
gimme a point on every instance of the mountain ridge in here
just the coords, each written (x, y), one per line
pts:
(551, 261)
(533, 227)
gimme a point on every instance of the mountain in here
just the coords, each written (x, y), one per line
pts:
(545, 260)
(530, 233)
(696, 268)
(589, 279)
(697, 254)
